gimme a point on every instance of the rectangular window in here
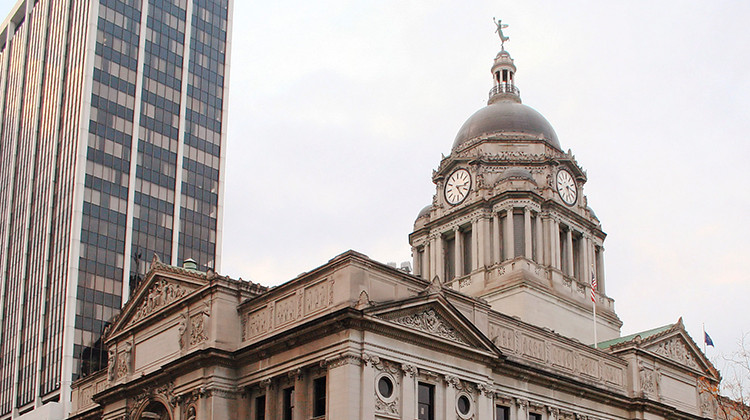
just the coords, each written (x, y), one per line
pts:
(319, 397)
(535, 416)
(449, 257)
(260, 407)
(426, 402)
(502, 412)
(287, 403)
(519, 235)
(466, 240)
(419, 270)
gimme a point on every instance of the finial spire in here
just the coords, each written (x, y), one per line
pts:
(500, 26)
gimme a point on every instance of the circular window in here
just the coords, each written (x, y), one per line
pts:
(463, 406)
(385, 387)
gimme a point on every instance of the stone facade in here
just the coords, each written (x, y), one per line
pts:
(494, 324)
(225, 346)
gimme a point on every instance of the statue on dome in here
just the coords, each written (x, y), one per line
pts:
(499, 30)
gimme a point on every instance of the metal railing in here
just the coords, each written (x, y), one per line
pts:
(504, 88)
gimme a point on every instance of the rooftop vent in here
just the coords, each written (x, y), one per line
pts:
(190, 264)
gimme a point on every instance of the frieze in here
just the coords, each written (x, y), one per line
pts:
(429, 322)
(676, 350)
(533, 347)
(256, 323)
(124, 358)
(562, 357)
(161, 294)
(613, 374)
(588, 366)
(286, 309)
(316, 297)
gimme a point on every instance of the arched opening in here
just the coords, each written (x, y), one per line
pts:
(155, 411)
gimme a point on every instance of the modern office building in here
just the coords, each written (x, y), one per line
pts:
(111, 150)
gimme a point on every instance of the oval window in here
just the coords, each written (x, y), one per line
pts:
(385, 387)
(463, 404)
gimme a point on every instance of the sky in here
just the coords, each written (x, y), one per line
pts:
(340, 110)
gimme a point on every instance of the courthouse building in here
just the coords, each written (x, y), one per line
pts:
(494, 323)
(111, 149)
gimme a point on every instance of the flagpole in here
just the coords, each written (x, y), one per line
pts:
(593, 300)
(596, 341)
(704, 338)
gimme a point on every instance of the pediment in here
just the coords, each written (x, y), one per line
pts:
(437, 318)
(676, 346)
(163, 288)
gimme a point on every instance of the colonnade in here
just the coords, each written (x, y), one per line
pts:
(547, 240)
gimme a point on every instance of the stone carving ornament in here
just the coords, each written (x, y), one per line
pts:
(429, 322)
(676, 350)
(161, 294)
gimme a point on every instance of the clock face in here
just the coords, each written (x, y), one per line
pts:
(566, 187)
(457, 186)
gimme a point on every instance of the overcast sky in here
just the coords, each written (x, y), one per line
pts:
(340, 110)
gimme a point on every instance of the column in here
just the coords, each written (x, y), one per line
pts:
(458, 261)
(509, 248)
(427, 261)
(600, 272)
(539, 239)
(408, 392)
(589, 258)
(482, 250)
(367, 391)
(449, 398)
(474, 244)
(485, 409)
(527, 232)
(569, 254)
(522, 411)
(440, 257)
(498, 252)
(554, 239)
(343, 399)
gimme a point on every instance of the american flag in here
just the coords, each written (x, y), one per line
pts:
(593, 285)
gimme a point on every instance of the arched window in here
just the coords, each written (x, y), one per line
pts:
(155, 411)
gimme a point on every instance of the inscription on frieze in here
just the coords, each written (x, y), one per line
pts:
(588, 366)
(562, 357)
(532, 347)
(286, 310)
(503, 337)
(316, 297)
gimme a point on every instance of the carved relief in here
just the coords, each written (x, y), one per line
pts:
(409, 370)
(197, 329)
(161, 294)
(286, 310)
(532, 347)
(112, 363)
(612, 374)
(675, 349)
(182, 331)
(503, 337)
(387, 407)
(124, 357)
(588, 366)
(560, 357)
(429, 322)
(648, 384)
(316, 297)
(257, 323)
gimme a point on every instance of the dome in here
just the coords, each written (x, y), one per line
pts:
(521, 173)
(425, 211)
(506, 117)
